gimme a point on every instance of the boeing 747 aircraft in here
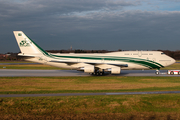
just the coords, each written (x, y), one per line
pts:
(96, 63)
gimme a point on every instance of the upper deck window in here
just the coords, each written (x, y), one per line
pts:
(162, 53)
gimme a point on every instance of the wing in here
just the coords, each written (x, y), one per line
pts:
(91, 63)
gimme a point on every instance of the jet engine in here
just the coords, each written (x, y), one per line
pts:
(114, 70)
(87, 69)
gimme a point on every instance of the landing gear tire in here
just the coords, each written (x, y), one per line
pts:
(172, 73)
(157, 72)
(98, 73)
(179, 73)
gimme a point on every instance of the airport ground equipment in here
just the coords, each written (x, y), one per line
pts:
(173, 72)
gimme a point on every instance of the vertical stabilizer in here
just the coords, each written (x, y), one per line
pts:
(26, 45)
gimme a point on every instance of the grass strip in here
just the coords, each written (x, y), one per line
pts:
(33, 67)
(92, 84)
(163, 106)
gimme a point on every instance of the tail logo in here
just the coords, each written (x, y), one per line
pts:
(24, 43)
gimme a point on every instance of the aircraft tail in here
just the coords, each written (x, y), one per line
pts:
(27, 46)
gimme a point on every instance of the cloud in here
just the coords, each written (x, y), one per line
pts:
(92, 24)
(50, 7)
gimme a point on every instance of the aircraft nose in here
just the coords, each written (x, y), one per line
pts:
(173, 61)
(169, 61)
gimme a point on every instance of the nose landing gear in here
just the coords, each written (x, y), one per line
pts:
(157, 72)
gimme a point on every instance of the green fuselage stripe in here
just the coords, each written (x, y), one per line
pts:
(144, 62)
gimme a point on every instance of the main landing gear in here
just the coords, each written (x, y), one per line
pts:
(98, 73)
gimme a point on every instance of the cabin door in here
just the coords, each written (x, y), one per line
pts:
(139, 53)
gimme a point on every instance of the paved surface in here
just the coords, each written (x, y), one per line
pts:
(15, 72)
(19, 63)
(12, 73)
(26, 63)
(87, 94)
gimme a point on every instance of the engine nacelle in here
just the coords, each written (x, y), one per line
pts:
(89, 69)
(115, 70)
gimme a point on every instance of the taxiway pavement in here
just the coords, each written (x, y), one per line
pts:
(88, 94)
(45, 73)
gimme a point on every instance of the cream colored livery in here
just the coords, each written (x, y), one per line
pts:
(96, 63)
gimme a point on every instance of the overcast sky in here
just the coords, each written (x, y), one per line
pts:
(92, 24)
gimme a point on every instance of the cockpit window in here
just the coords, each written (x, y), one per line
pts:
(162, 53)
